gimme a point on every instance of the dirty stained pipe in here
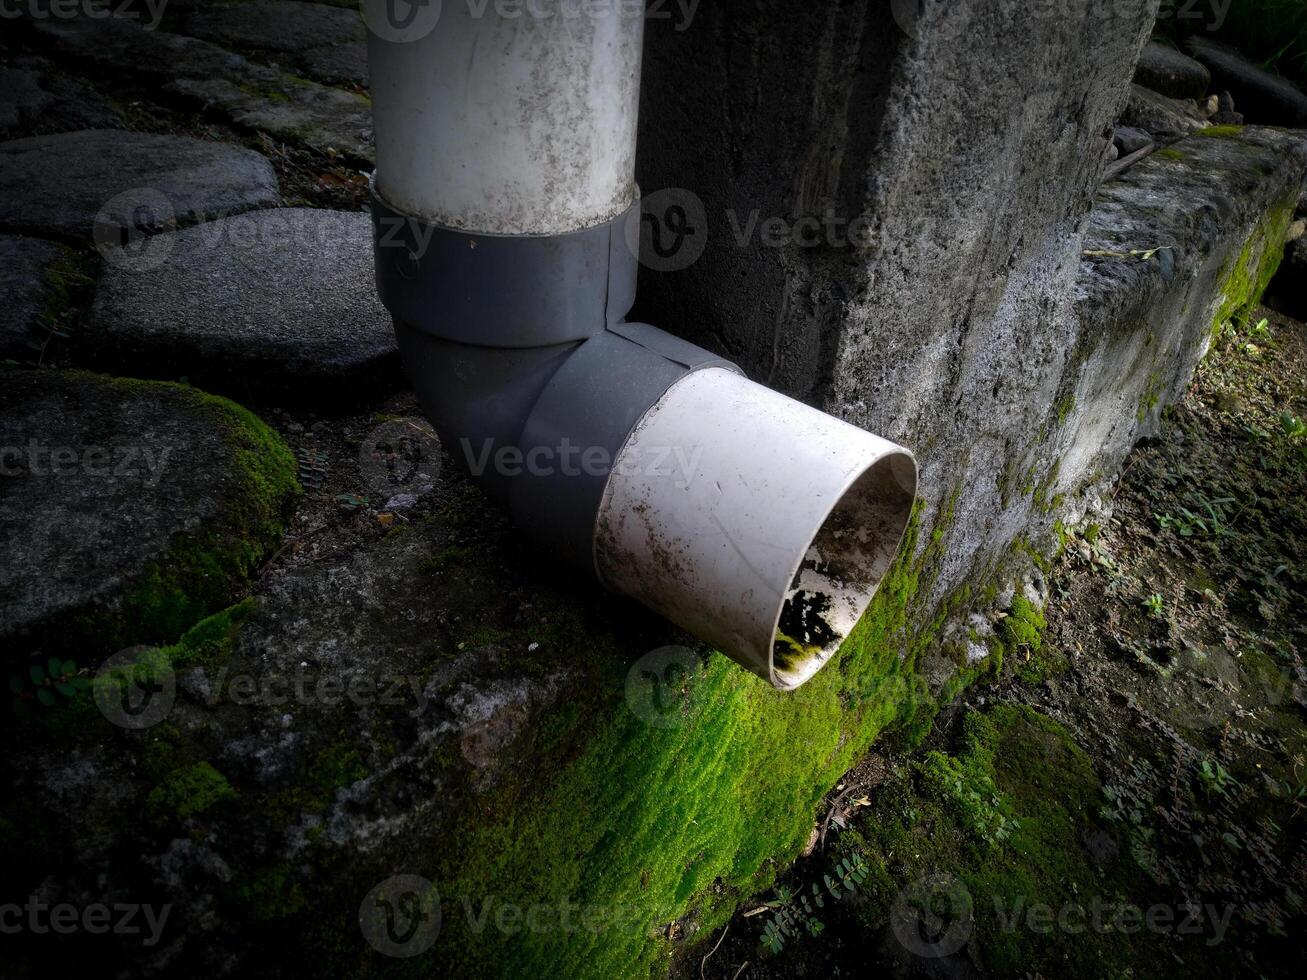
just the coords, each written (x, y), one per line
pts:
(503, 202)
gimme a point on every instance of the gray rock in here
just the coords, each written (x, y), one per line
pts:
(1261, 97)
(302, 112)
(128, 509)
(1128, 139)
(318, 116)
(68, 183)
(34, 98)
(1169, 72)
(1144, 323)
(25, 267)
(1164, 118)
(276, 25)
(340, 64)
(272, 300)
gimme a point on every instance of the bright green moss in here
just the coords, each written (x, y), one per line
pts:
(1220, 132)
(189, 791)
(656, 825)
(1024, 625)
(202, 567)
(1251, 272)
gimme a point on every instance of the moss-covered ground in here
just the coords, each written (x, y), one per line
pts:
(1129, 798)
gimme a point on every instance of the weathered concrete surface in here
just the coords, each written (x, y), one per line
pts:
(271, 302)
(340, 64)
(35, 99)
(1222, 201)
(256, 96)
(1166, 119)
(27, 269)
(1170, 72)
(67, 184)
(323, 42)
(127, 510)
(947, 330)
(1261, 97)
(457, 664)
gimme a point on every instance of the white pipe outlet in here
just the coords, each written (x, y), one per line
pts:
(757, 523)
(504, 187)
(521, 125)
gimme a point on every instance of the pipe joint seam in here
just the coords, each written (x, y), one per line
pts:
(503, 290)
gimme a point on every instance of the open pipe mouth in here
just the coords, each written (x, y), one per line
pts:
(839, 574)
(757, 523)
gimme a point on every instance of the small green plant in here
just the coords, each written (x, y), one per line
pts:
(1292, 426)
(1213, 523)
(1215, 780)
(795, 913)
(44, 682)
(1155, 605)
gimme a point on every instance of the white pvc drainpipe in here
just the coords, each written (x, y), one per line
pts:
(505, 177)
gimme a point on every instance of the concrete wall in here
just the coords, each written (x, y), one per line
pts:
(967, 140)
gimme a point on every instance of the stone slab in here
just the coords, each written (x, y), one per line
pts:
(65, 184)
(274, 300)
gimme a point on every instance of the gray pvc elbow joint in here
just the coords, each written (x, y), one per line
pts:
(520, 355)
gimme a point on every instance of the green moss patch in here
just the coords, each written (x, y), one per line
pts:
(659, 828)
(1007, 828)
(1254, 268)
(204, 566)
(189, 791)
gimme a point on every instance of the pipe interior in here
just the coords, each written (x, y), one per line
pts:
(842, 568)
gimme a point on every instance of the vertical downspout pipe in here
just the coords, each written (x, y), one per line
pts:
(501, 203)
